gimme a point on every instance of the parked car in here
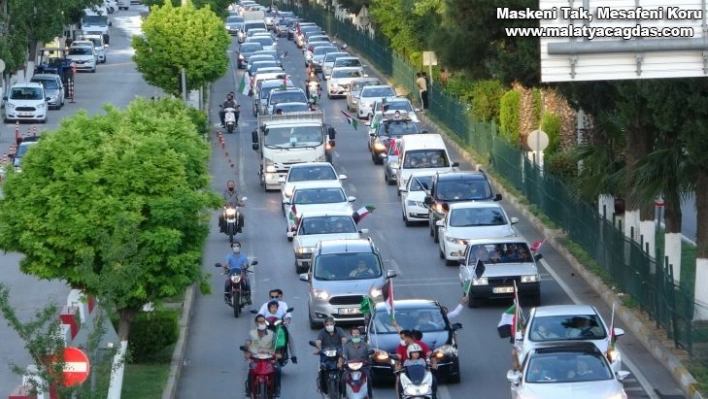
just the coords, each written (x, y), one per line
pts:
(26, 102)
(53, 88)
(84, 56)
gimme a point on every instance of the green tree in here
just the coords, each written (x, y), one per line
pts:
(218, 6)
(136, 178)
(181, 37)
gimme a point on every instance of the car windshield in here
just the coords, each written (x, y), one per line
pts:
(499, 253)
(398, 128)
(265, 90)
(262, 57)
(234, 20)
(94, 20)
(47, 83)
(564, 367)
(324, 50)
(330, 57)
(312, 173)
(80, 51)
(477, 217)
(327, 225)
(566, 327)
(348, 62)
(291, 108)
(272, 54)
(293, 137)
(464, 189)
(420, 159)
(250, 47)
(398, 106)
(357, 86)
(420, 183)
(22, 150)
(423, 319)
(264, 41)
(26, 93)
(287, 97)
(347, 266)
(378, 92)
(326, 195)
(347, 74)
(260, 65)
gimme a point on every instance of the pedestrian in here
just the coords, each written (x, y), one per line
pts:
(444, 76)
(422, 90)
(68, 40)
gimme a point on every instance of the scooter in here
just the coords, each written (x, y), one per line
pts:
(416, 382)
(355, 381)
(331, 372)
(230, 119)
(280, 329)
(231, 212)
(261, 378)
(314, 91)
(239, 296)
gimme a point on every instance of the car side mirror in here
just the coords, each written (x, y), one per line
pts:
(342, 177)
(254, 261)
(4, 98)
(514, 377)
(242, 348)
(351, 199)
(403, 191)
(255, 146)
(281, 180)
(391, 273)
(456, 326)
(455, 164)
(619, 332)
(621, 375)
(110, 24)
(290, 234)
(440, 223)
(537, 257)
(364, 231)
(312, 344)
(244, 199)
(47, 98)
(304, 277)
(428, 200)
(288, 310)
(514, 220)
(498, 197)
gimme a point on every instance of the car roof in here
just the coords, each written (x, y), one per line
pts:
(307, 165)
(274, 82)
(422, 174)
(349, 56)
(27, 84)
(371, 87)
(461, 175)
(411, 304)
(494, 241)
(287, 90)
(346, 69)
(318, 184)
(564, 310)
(345, 245)
(315, 213)
(45, 76)
(82, 43)
(474, 204)
(567, 346)
(335, 53)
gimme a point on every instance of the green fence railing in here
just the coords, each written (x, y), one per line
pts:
(631, 268)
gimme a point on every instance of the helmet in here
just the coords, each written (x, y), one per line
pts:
(414, 348)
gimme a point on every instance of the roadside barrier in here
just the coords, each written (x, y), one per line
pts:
(71, 90)
(222, 142)
(17, 131)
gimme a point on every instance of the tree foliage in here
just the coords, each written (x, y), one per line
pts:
(218, 6)
(120, 197)
(181, 37)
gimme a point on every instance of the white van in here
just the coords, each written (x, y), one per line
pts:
(421, 153)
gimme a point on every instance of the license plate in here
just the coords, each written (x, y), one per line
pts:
(503, 290)
(25, 114)
(348, 311)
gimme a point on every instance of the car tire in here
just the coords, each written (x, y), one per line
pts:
(454, 379)
(5, 120)
(441, 254)
(430, 229)
(314, 325)
(436, 236)
(405, 218)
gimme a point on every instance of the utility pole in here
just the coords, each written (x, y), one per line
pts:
(184, 83)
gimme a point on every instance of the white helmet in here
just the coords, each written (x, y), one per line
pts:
(414, 348)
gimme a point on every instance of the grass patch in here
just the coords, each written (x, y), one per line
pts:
(700, 373)
(147, 381)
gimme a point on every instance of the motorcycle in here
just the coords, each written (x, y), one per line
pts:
(261, 378)
(231, 219)
(416, 382)
(280, 329)
(331, 371)
(230, 118)
(314, 90)
(238, 295)
(355, 380)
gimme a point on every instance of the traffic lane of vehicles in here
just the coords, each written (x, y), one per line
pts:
(123, 83)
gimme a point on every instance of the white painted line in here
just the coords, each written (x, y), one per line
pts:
(646, 385)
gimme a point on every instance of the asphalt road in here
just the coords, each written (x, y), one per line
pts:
(215, 367)
(116, 82)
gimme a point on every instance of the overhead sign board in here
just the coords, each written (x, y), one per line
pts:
(586, 40)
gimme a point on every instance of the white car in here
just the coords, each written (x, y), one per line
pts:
(266, 42)
(83, 54)
(567, 370)
(413, 198)
(471, 220)
(328, 62)
(98, 44)
(316, 226)
(393, 104)
(26, 102)
(368, 96)
(316, 196)
(550, 324)
(307, 172)
(340, 80)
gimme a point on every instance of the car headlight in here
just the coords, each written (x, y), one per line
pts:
(270, 169)
(366, 105)
(414, 203)
(41, 105)
(531, 278)
(320, 294)
(226, 26)
(375, 292)
(480, 281)
(393, 165)
(445, 350)
(454, 240)
(305, 250)
(10, 105)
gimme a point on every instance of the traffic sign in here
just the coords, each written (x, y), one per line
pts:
(537, 140)
(76, 367)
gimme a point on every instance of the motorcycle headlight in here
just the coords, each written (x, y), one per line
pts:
(531, 278)
(330, 352)
(355, 365)
(320, 294)
(236, 278)
(415, 390)
(381, 356)
(230, 212)
(480, 281)
(380, 146)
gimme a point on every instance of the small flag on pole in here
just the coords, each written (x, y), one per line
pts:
(293, 213)
(351, 120)
(612, 339)
(284, 83)
(366, 306)
(390, 301)
(362, 213)
(245, 86)
(511, 322)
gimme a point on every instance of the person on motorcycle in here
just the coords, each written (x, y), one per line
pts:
(330, 337)
(273, 310)
(232, 198)
(410, 337)
(312, 78)
(261, 340)
(415, 355)
(229, 103)
(356, 350)
(236, 261)
(277, 295)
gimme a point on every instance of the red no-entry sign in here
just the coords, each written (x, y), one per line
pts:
(76, 367)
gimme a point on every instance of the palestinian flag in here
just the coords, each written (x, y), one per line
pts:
(366, 306)
(293, 213)
(506, 327)
(284, 83)
(245, 86)
(351, 120)
(389, 301)
(362, 213)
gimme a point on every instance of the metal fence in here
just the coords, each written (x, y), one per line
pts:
(632, 269)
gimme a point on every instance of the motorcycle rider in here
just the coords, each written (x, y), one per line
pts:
(311, 78)
(408, 338)
(229, 103)
(273, 309)
(236, 261)
(330, 337)
(261, 340)
(356, 350)
(232, 198)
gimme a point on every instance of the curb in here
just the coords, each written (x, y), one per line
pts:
(628, 316)
(177, 362)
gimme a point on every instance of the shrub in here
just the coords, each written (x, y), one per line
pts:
(537, 106)
(552, 125)
(486, 98)
(562, 165)
(151, 333)
(199, 118)
(509, 116)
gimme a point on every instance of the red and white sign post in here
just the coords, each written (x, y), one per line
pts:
(76, 367)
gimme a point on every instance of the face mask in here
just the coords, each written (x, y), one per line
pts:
(329, 328)
(356, 340)
(231, 189)
(237, 250)
(262, 327)
(403, 343)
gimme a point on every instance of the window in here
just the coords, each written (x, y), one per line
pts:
(420, 183)
(287, 97)
(348, 266)
(463, 189)
(327, 225)
(250, 47)
(421, 159)
(378, 92)
(566, 327)
(26, 93)
(499, 253)
(550, 368)
(425, 319)
(301, 136)
(80, 50)
(311, 196)
(310, 174)
(469, 217)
